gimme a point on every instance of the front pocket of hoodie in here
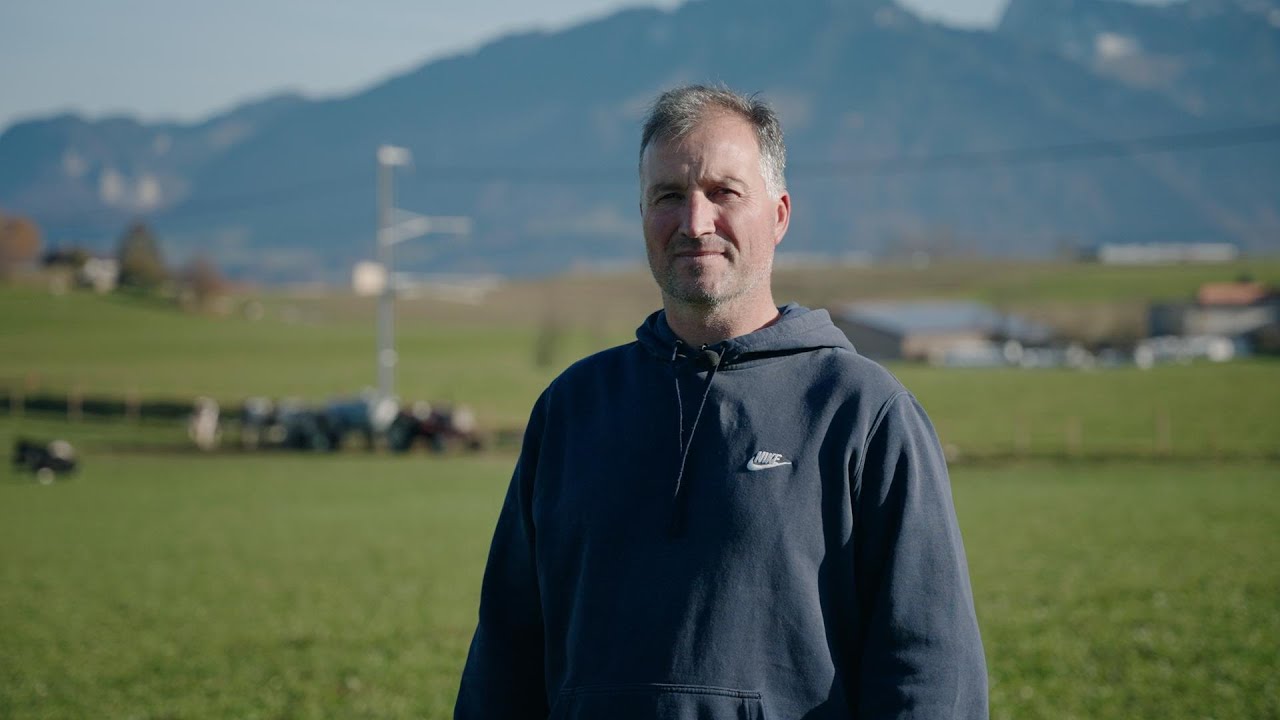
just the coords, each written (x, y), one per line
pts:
(657, 701)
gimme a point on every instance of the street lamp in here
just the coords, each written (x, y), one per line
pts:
(394, 227)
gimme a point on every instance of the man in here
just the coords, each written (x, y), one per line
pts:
(735, 516)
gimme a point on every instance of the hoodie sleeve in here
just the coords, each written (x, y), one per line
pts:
(503, 677)
(922, 655)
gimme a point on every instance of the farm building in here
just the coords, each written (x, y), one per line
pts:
(930, 330)
(1161, 253)
(1229, 309)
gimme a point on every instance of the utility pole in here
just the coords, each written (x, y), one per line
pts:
(389, 157)
(394, 227)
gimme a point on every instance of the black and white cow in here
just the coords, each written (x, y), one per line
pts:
(47, 461)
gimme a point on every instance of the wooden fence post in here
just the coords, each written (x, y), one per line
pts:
(1164, 433)
(1075, 435)
(132, 407)
(75, 404)
(1021, 436)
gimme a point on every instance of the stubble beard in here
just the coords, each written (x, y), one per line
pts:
(695, 292)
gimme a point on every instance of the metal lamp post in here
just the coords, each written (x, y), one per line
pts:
(394, 227)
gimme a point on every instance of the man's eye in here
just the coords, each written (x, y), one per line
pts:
(667, 197)
(726, 192)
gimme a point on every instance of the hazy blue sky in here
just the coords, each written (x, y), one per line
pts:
(184, 59)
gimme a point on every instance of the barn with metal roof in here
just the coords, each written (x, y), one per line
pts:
(920, 330)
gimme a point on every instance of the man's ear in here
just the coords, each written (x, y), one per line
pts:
(782, 219)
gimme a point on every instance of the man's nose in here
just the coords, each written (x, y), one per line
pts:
(698, 218)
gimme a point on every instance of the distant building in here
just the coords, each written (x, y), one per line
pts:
(1231, 309)
(1162, 253)
(929, 330)
(100, 274)
(1233, 293)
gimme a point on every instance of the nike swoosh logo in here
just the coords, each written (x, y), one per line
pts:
(753, 465)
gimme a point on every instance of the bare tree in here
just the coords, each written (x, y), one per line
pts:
(201, 281)
(19, 244)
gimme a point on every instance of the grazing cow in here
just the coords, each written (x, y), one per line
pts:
(366, 416)
(303, 427)
(46, 461)
(296, 425)
(202, 426)
(289, 424)
(437, 426)
(257, 415)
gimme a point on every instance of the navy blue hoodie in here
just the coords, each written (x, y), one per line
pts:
(759, 529)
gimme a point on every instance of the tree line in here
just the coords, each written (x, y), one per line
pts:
(138, 265)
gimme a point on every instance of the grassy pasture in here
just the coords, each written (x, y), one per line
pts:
(166, 584)
(322, 346)
(120, 345)
(1208, 410)
(284, 586)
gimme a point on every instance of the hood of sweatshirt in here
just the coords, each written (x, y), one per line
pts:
(797, 329)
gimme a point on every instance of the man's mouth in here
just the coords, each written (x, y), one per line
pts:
(695, 252)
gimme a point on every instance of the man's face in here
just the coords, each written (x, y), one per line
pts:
(710, 224)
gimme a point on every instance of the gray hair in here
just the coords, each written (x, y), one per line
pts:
(678, 111)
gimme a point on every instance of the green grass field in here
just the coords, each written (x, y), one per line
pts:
(1210, 410)
(345, 587)
(1133, 576)
(111, 345)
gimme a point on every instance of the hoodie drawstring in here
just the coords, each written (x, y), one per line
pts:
(713, 359)
(675, 352)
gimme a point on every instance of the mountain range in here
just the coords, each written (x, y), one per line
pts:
(1072, 123)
